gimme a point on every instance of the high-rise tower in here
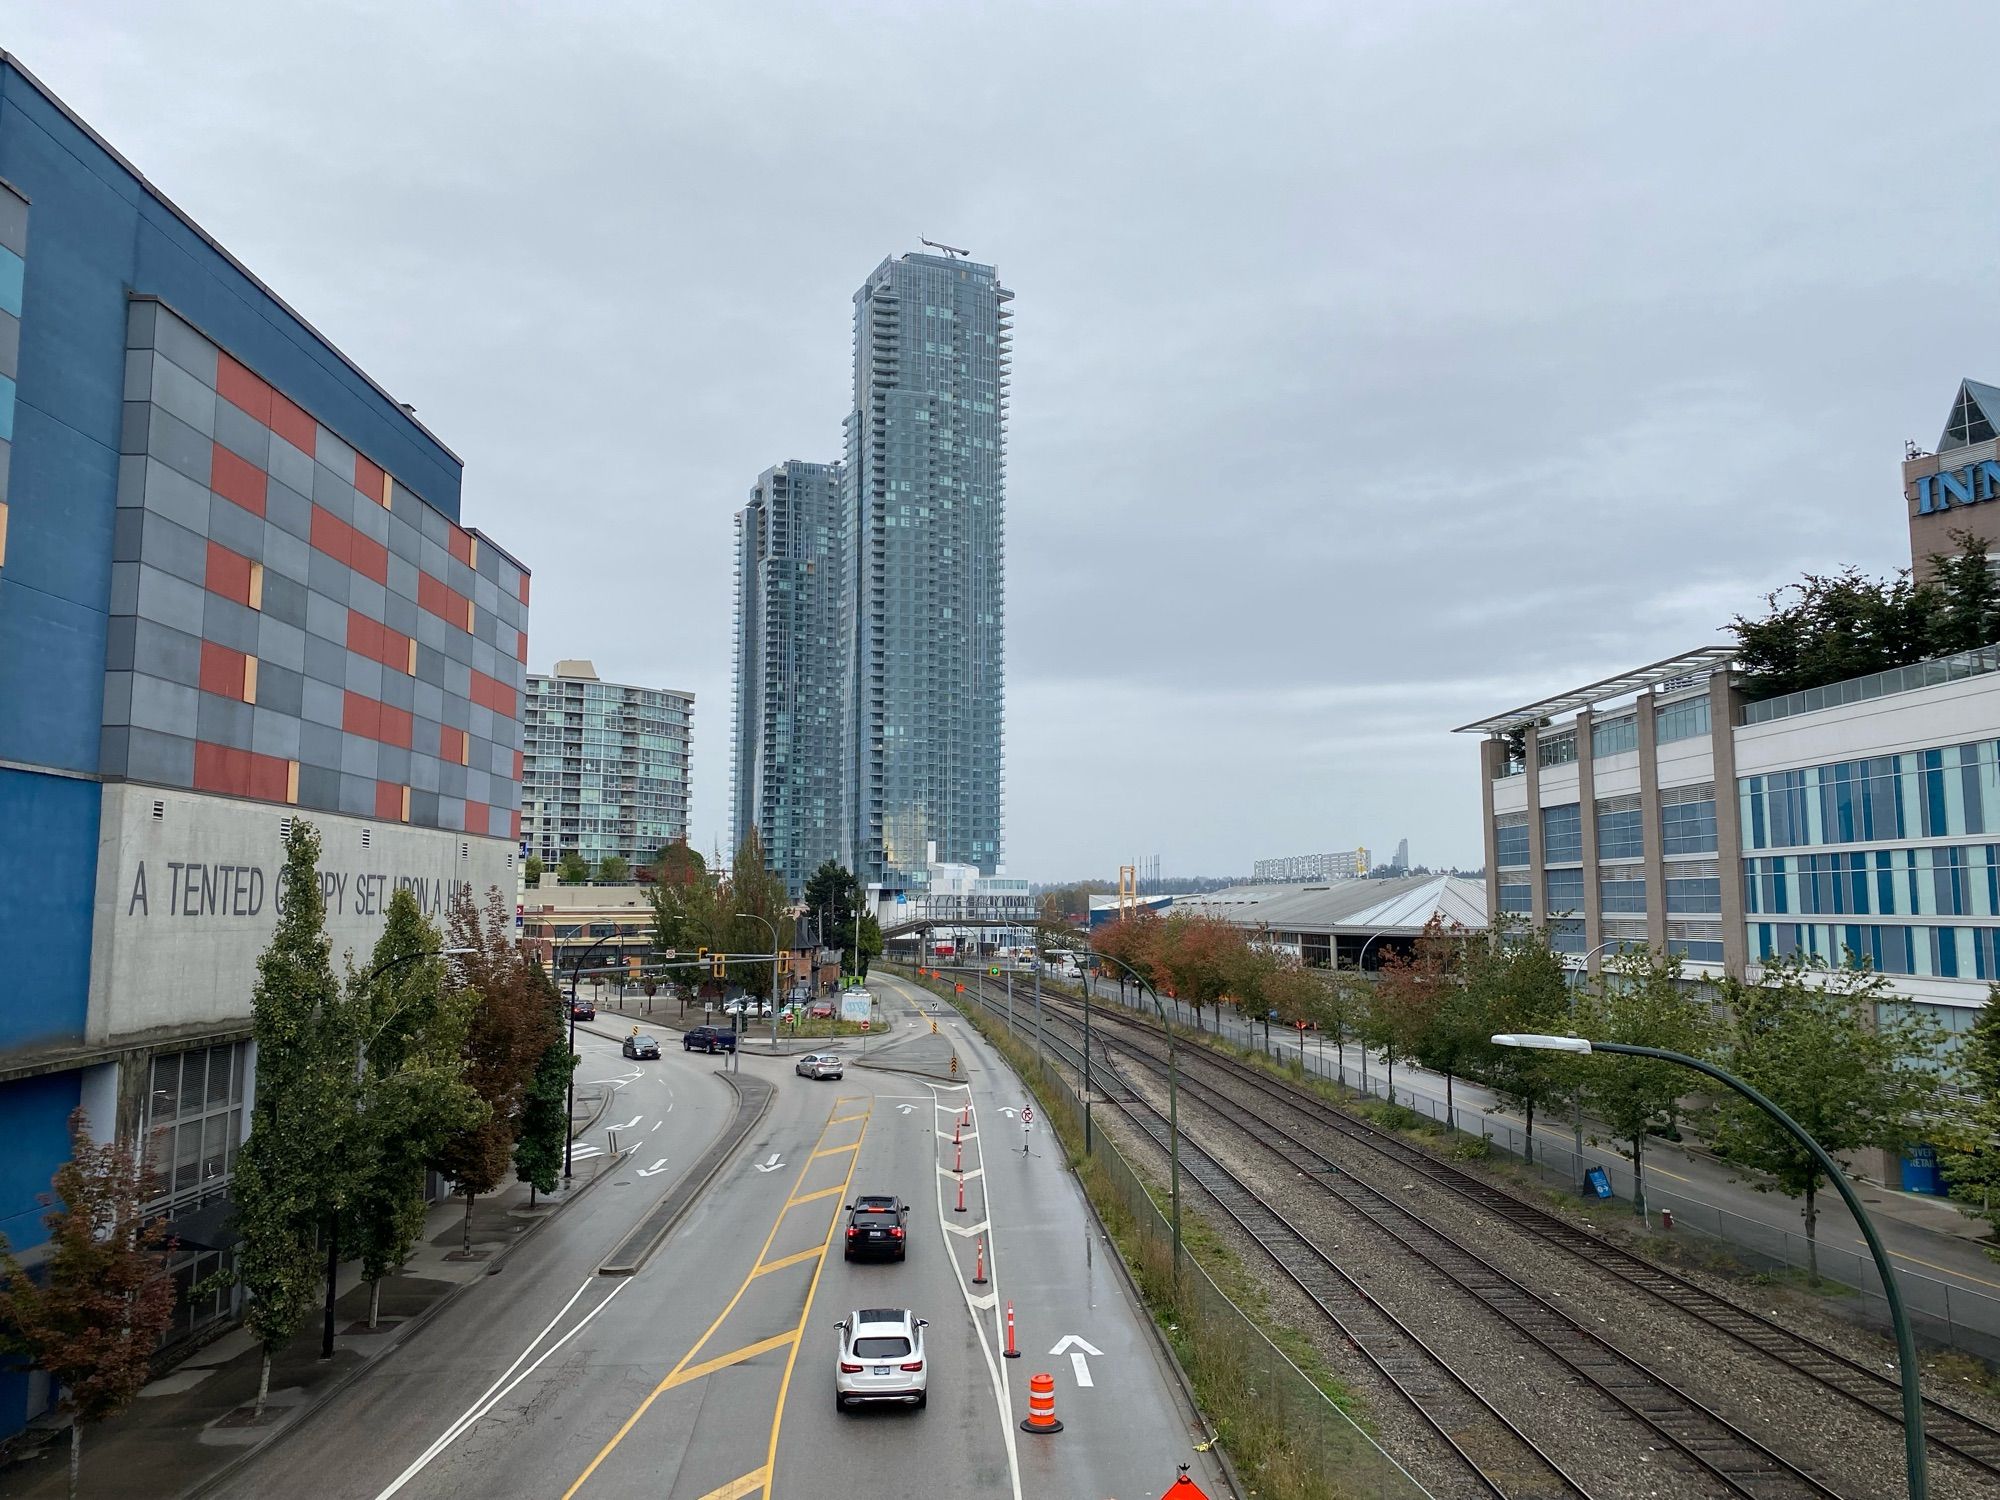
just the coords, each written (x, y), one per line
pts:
(790, 664)
(926, 487)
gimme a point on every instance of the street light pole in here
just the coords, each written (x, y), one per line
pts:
(772, 927)
(569, 1137)
(1173, 1097)
(360, 1065)
(1915, 1463)
(1576, 1104)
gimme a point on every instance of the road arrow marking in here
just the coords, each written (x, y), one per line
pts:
(656, 1168)
(1077, 1362)
(769, 1166)
(906, 1109)
(1009, 1111)
(629, 1123)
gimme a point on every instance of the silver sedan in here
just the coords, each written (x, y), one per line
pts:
(820, 1065)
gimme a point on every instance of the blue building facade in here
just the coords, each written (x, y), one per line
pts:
(104, 284)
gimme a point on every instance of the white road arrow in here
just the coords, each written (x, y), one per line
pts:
(769, 1166)
(657, 1167)
(629, 1123)
(1009, 1111)
(904, 1109)
(1077, 1362)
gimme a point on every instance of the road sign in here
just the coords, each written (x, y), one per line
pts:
(993, 971)
(864, 1023)
(1600, 1181)
(1185, 1488)
(1028, 1114)
(933, 1028)
(954, 1065)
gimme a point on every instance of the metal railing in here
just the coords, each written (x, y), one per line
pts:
(1921, 674)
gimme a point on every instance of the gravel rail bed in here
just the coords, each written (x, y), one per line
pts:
(1784, 1408)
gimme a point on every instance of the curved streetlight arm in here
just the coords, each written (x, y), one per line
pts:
(1914, 1459)
(569, 1134)
(771, 927)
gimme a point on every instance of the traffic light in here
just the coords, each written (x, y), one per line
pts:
(701, 955)
(718, 966)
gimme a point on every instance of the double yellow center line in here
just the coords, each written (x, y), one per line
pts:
(691, 1367)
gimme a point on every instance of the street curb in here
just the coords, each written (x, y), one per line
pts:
(404, 1332)
(745, 1119)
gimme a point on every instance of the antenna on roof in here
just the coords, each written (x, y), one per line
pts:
(952, 251)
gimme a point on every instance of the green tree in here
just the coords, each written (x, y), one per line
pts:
(1409, 1000)
(534, 869)
(677, 864)
(1517, 982)
(1641, 1000)
(573, 868)
(288, 1184)
(1196, 956)
(413, 1093)
(1971, 1152)
(502, 1046)
(97, 1311)
(752, 888)
(871, 942)
(538, 1153)
(1832, 1049)
(832, 896)
(1964, 598)
(613, 869)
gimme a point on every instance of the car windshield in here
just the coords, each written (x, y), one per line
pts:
(881, 1348)
(643, 1041)
(875, 1206)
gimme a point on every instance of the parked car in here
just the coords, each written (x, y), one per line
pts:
(821, 1010)
(639, 1045)
(878, 1224)
(708, 1039)
(819, 1065)
(583, 1010)
(881, 1358)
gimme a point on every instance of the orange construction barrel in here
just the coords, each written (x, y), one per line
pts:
(1041, 1415)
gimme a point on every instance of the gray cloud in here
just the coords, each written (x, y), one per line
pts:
(1375, 370)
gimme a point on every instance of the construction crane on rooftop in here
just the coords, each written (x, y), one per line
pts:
(951, 251)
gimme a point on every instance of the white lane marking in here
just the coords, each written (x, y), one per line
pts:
(769, 1166)
(629, 1123)
(656, 1167)
(968, 1230)
(656, 1125)
(579, 1152)
(968, 1174)
(1081, 1367)
(996, 1369)
(503, 1387)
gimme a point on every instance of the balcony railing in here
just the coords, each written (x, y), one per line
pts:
(1920, 674)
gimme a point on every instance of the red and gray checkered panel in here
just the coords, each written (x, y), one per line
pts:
(291, 623)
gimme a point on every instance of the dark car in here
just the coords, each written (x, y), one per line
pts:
(708, 1039)
(638, 1044)
(878, 1225)
(583, 1010)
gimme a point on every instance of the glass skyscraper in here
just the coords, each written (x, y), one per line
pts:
(605, 767)
(790, 643)
(926, 491)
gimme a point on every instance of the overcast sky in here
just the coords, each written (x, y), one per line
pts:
(1377, 367)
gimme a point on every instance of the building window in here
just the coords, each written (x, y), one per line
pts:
(1614, 736)
(1939, 793)
(1621, 828)
(1680, 721)
(1924, 952)
(1687, 819)
(1954, 880)
(1624, 895)
(1698, 895)
(1517, 898)
(193, 1122)
(1556, 749)
(1563, 890)
(1510, 840)
(1566, 937)
(1562, 834)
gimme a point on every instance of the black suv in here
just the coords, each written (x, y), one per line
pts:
(583, 1010)
(878, 1224)
(708, 1039)
(638, 1045)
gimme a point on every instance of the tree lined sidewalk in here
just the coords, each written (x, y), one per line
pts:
(191, 1423)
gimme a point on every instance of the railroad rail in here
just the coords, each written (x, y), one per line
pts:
(1946, 1428)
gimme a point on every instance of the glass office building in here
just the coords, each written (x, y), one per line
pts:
(605, 769)
(926, 493)
(790, 577)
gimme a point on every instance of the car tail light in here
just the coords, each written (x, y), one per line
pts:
(896, 1232)
(915, 1364)
(852, 1231)
(847, 1369)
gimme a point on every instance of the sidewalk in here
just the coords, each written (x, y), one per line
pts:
(190, 1424)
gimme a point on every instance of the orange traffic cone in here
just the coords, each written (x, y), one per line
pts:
(1041, 1415)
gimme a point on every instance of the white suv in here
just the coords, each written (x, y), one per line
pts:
(881, 1358)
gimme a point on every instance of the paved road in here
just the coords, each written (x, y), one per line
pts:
(706, 1376)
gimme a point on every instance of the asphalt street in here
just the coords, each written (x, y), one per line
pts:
(707, 1375)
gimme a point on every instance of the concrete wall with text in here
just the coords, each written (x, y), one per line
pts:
(186, 898)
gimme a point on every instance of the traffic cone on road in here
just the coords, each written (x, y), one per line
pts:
(1041, 1415)
(1012, 1352)
(961, 1197)
(979, 1266)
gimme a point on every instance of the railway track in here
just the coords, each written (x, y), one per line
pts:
(1947, 1430)
(1500, 1458)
